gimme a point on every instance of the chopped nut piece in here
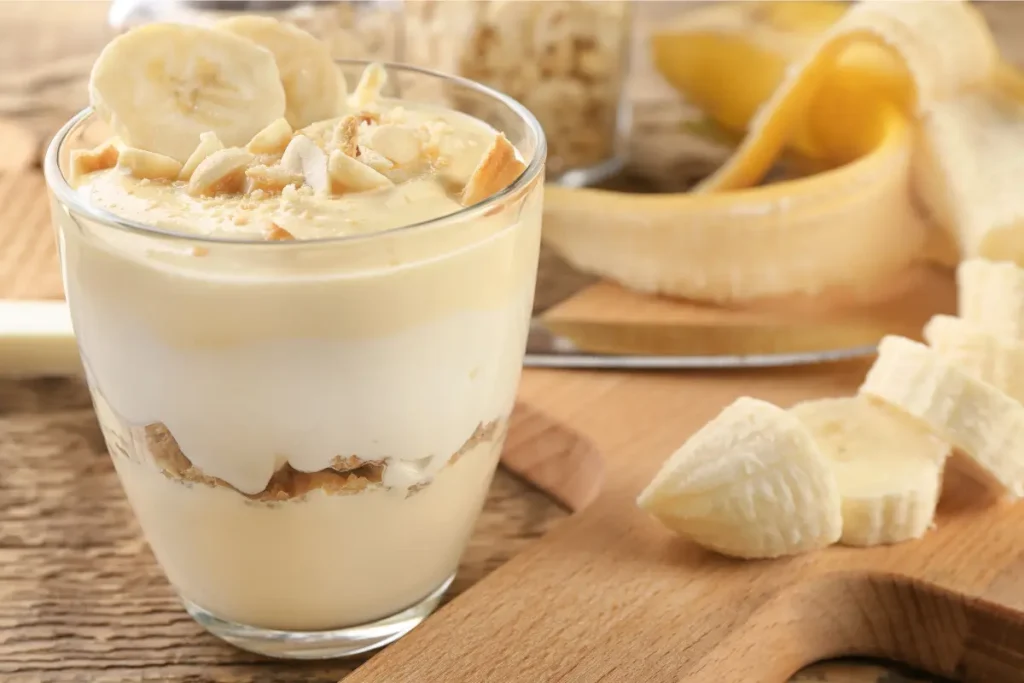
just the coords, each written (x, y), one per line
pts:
(369, 117)
(223, 172)
(148, 165)
(303, 156)
(499, 168)
(208, 144)
(346, 136)
(275, 233)
(370, 86)
(375, 160)
(85, 161)
(397, 143)
(350, 175)
(271, 179)
(272, 139)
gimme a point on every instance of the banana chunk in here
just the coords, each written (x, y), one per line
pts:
(985, 424)
(160, 86)
(888, 468)
(350, 175)
(991, 294)
(149, 165)
(751, 483)
(999, 361)
(312, 84)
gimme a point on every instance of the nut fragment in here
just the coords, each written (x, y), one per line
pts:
(271, 179)
(208, 144)
(398, 144)
(303, 156)
(370, 86)
(346, 136)
(148, 165)
(499, 168)
(350, 175)
(271, 140)
(85, 161)
(275, 233)
(223, 172)
(375, 160)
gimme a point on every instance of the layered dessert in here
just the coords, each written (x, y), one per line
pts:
(302, 308)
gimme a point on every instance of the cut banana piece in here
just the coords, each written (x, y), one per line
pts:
(979, 419)
(991, 295)
(888, 467)
(160, 86)
(751, 484)
(350, 175)
(305, 157)
(149, 165)
(997, 360)
(312, 84)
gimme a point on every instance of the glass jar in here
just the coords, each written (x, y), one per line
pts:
(565, 60)
(364, 29)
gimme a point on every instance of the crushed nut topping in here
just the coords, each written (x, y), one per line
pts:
(275, 233)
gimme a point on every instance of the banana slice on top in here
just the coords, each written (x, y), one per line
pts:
(312, 83)
(161, 86)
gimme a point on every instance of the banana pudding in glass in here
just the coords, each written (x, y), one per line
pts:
(302, 302)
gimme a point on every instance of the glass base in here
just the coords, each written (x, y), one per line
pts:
(342, 642)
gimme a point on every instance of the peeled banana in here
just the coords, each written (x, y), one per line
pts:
(991, 295)
(889, 469)
(313, 86)
(979, 419)
(161, 86)
(751, 484)
(994, 359)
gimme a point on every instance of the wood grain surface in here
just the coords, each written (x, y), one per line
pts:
(107, 614)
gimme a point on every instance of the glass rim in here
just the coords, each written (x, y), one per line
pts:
(70, 198)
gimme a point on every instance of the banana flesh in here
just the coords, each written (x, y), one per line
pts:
(994, 359)
(984, 423)
(750, 484)
(889, 469)
(161, 86)
(991, 295)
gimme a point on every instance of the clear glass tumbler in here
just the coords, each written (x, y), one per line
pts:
(393, 356)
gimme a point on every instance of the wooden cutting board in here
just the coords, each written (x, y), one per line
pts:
(610, 595)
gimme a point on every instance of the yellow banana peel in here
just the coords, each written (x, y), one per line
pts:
(907, 101)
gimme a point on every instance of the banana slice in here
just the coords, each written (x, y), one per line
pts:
(999, 361)
(751, 483)
(160, 86)
(312, 84)
(889, 469)
(991, 294)
(985, 424)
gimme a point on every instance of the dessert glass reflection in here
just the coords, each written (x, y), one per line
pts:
(305, 395)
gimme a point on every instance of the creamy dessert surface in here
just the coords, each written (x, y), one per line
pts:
(435, 152)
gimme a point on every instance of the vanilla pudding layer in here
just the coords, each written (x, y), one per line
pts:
(322, 561)
(258, 356)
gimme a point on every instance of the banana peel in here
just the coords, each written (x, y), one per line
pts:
(863, 89)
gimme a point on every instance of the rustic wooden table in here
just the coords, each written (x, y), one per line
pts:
(50, 432)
